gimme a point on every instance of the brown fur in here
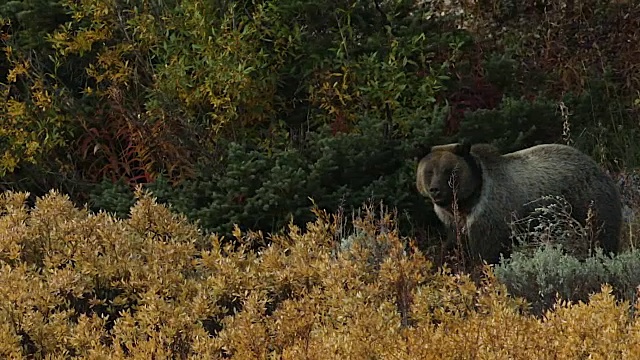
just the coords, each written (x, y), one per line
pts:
(494, 187)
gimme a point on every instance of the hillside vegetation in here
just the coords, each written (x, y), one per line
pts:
(236, 179)
(239, 112)
(84, 285)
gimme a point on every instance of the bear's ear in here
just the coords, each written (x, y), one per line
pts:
(461, 149)
(453, 147)
(464, 147)
(420, 151)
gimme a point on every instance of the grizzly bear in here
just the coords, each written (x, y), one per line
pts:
(491, 188)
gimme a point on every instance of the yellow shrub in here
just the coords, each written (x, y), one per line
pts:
(77, 284)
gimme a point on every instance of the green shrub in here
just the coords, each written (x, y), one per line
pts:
(515, 124)
(601, 123)
(549, 274)
(116, 198)
(264, 189)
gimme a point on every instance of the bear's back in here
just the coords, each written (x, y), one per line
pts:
(513, 180)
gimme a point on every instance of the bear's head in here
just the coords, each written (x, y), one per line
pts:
(449, 168)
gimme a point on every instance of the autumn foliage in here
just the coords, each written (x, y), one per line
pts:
(80, 284)
(243, 116)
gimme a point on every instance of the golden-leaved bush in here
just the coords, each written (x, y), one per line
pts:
(79, 284)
